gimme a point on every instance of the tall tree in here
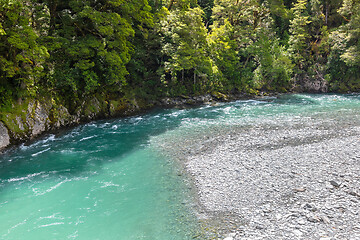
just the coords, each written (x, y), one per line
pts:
(21, 55)
(224, 53)
(185, 48)
(344, 59)
(299, 38)
(207, 6)
(91, 44)
(251, 45)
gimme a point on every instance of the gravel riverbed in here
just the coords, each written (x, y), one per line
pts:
(284, 180)
(283, 189)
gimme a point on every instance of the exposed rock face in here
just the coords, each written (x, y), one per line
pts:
(37, 117)
(309, 84)
(64, 119)
(32, 118)
(317, 86)
(90, 109)
(4, 136)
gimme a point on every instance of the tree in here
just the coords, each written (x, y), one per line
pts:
(299, 38)
(344, 59)
(275, 68)
(91, 43)
(245, 48)
(351, 11)
(185, 49)
(207, 6)
(223, 51)
(21, 55)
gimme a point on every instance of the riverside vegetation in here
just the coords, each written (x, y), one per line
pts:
(62, 62)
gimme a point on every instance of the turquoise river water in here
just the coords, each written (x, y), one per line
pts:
(110, 179)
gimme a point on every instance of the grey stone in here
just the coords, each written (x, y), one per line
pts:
(245, 171)
(19, 123)
(325, 219)
(353, 193)
(4, 136)
(38, 117)
(63, 117)
(334, 183)
(298, 233)
(300, 189)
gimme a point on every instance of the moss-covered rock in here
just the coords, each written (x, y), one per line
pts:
(219, 96)
(59, 116)
(37, 117)
(27, 119)
(31, 117)
(15, 121)
(117, 106)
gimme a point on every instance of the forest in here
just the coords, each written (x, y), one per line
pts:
(71, 49)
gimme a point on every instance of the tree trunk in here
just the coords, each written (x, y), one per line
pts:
(327, 12)
(170, 5)
(194, 79)
(52, 8)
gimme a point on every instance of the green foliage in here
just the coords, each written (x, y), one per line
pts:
(351, 10)
(92, 44)
(74, 49)
(185, 49)
(245, 48)
(299, 38)
(207, 6)
(281, 16)
(223, 51)
(274, 66)
(344, 60)
(146, 58)
(21, 55)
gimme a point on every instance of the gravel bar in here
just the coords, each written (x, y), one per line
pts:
(280, 182)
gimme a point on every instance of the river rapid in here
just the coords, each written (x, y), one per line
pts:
(175, 173)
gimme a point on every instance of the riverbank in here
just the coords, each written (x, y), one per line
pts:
(309, 191)
(293, 176)
(29, 119)
(271, 168)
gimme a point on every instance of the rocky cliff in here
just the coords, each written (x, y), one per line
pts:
(28, 119)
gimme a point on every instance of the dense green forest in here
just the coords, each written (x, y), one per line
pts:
(70, 49)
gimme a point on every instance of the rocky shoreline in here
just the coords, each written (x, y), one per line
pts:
(281, 183)
(31, 118)
(297, 179)
(282, 179)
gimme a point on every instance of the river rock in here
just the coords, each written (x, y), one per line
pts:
(283, 167)
(334, 183)
(228, 238)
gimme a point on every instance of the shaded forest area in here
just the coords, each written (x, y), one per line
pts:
(71, 49)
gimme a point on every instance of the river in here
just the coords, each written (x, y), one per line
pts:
(123, 178)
